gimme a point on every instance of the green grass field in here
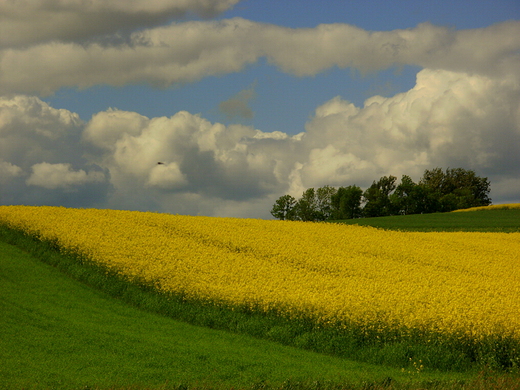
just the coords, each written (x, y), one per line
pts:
(60, 333)
(470, 221)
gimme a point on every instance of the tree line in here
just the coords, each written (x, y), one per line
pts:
(436, 191)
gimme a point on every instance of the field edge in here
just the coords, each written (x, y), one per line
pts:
(354, 344)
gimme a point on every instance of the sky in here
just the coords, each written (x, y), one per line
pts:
(245, 101)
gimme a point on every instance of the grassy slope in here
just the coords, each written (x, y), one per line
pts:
(59, 333)
(485, 221)
(77, 336)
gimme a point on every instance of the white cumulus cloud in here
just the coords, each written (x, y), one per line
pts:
(189, 51)
(25, 23)
(107, 127)
(448, 119)
(197, 156)
(52, 176)
(8, 171)
(31, 131)
(167, 176)
(464, 110)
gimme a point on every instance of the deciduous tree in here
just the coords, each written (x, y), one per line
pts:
(377, 197)
(307, 206)
(457, 188)
(324, 207)
(284, 208)
(346, 203)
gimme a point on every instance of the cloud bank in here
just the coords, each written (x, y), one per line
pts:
(35, 22)
(187, 52)
(449, 119)
(52, 176)
(464, 110)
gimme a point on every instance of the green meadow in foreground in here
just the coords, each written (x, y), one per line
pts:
(65, 325)
(58, 333)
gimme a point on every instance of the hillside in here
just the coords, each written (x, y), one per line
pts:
(70, 324)
(59, 333)
(492, 220)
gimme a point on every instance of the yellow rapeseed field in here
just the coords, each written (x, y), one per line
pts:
(462, 283)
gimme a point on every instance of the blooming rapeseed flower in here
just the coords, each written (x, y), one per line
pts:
(454, 283)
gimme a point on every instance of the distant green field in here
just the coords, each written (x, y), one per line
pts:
(471, 221)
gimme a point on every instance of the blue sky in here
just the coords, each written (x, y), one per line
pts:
(273, 104)
(248, 100)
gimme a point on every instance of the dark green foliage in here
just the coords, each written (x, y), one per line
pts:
(411, 198)
(314, 205)
(283, 208)
(377, 198)
(457, 188)
(324, 207)
(346, 203)
(307, 206)
(437, 191)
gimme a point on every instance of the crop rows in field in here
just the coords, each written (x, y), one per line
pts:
(449, 283)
